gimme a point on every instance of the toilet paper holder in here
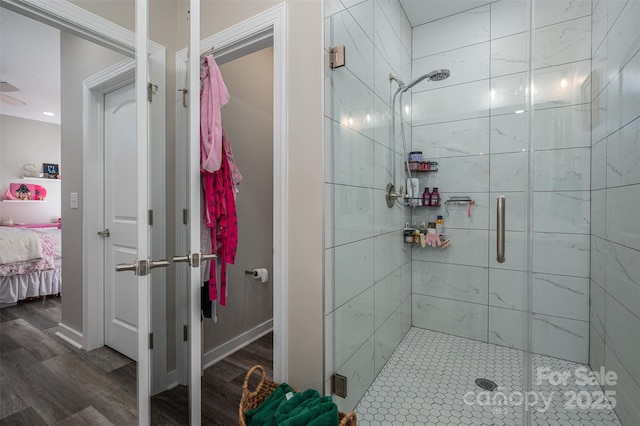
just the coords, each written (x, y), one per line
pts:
(248, 272)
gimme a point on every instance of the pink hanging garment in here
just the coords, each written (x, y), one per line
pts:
(220, 176)
(213, 96)
(222, 218)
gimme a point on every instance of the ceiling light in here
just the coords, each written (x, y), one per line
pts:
(520, 111)
(48, 114)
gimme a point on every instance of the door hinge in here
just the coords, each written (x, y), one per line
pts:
(185, 216)
(152, 89)
(336, 56)
(151, 217)
(185, 97)
(185, 333)
(339, 385)
(150, 340)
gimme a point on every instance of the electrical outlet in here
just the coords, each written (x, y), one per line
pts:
(73, 197)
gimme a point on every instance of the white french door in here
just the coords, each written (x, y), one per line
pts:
(195, 347)
(143, 265)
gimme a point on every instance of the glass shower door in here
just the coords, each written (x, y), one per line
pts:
(367, 265)
(571, 163)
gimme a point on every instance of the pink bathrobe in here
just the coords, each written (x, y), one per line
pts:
(220, 176)
(213, 96)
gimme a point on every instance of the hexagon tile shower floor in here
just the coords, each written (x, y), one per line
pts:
(430, 380)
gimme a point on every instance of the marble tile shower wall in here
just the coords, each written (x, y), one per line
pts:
(367, 280)
(615, 195)
(475, 124)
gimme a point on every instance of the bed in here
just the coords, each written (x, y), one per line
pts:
(30, 262)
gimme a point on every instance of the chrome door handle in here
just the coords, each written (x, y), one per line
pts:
(208, 256)
(194, 259)
(127, 267)
(142, 267)
(500, 229)
(163, 263)
(104, 233)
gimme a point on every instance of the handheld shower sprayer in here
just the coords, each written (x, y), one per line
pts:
(435, 75)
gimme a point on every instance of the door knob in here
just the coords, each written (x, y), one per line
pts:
(104, 233)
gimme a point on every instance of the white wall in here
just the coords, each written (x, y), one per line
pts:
(367, 267)
(469, 124)
(29, 141)
(615, 195)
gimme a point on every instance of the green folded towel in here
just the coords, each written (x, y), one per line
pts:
(307, 408)
(265, 413)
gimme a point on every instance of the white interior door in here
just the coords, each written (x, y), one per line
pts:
(120, 205)
(142, 202)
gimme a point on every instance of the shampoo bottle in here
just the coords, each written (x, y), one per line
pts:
(426, 197)
(435, 198)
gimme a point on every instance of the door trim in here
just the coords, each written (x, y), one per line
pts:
(75, 20)
(255, 33)
(94, 88)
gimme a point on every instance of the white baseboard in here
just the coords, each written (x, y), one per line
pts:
(69, 335)
(239, 342)
(172, 379)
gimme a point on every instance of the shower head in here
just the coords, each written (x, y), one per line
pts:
(438, 75)
(435, 75)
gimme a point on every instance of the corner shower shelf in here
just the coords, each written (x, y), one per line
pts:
(419, 201)
(410, 232)
(422, 166)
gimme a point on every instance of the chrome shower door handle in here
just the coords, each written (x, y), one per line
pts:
(500, 229)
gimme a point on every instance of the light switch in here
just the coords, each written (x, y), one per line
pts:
(74, 200)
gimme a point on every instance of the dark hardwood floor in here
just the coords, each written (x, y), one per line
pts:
(46, 381)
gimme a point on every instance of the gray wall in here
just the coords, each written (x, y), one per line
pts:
(248, 121)
(615, 201)
(29, 141)
(79, 60)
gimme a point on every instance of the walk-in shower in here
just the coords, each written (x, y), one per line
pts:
(435, 75)
(529, 111)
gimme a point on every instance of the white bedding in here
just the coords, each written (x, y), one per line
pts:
(37, 283)
(18, 245)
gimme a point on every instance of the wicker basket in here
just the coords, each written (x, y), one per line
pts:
(251, 399)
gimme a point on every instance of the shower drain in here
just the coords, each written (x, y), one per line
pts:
(486, 384)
